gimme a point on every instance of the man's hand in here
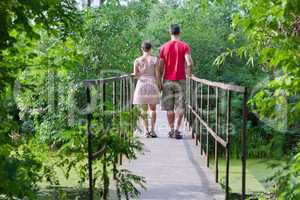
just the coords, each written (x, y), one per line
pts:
(189, 64)
(188, 72)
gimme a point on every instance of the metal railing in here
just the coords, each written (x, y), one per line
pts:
(202, 108)
(120, 94)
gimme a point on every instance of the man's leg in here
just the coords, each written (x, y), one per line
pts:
(179, 116)
(168, 104)
(179, 106)
(171, 119)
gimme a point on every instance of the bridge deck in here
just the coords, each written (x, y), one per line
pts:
(173, 168)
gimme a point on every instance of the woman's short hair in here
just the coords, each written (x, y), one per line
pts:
(146, 46)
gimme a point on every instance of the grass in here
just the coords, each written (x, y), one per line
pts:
(68, 188)
(258, 170)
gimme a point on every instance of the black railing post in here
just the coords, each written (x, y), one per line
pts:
(121, 94)
(89, 133)
(217, 132)
(186, 101)
(125, 94)
(208, 123)
(193, 107)
(114, 93)
(197, 111)
(190, 104)
(244, 142)
(228, 132)
(121, 109)
(201, 115)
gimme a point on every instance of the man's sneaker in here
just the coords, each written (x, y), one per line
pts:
(178, 135)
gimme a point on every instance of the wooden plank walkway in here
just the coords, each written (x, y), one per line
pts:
(173, 168)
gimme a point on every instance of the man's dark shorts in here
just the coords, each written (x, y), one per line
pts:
(173, 95)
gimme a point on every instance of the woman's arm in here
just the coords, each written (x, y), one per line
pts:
(136, 71)
(158, 74)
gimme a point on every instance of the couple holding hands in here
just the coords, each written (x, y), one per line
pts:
(165, 74)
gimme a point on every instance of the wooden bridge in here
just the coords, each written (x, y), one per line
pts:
(180, 169)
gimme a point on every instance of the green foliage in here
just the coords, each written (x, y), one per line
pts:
(56, 16)
(22, 22)
(23, 165)
(287, 184)
(48, 47)
(272, 33)
(271, 30)
(111, 36)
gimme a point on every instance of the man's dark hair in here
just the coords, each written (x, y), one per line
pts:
(175, 29)
(146, 46)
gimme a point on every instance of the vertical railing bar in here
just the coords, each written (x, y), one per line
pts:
(103, 99)
(127, 91)
(208, 123)
(197, 111)
(186, 102)
(190, 103)
(228, 115)
(130, 102)
(114, 98)
(121, 94)
(217, 132)
(125, 94)
(105, 175)
(121, 109)
(192, 114)
(201, 115)
(90, 153)
(244, 143)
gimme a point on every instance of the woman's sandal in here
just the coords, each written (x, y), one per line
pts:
(148, 135)
(153, 134)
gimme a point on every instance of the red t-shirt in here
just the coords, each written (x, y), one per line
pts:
(173, 54)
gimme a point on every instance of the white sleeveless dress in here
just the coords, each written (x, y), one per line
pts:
(146, 90)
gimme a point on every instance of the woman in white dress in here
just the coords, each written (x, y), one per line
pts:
(146, 93)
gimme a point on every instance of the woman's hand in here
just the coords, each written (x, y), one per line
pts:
(134, 75)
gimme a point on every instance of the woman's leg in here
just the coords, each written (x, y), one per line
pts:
(144, 115)
(153, 116)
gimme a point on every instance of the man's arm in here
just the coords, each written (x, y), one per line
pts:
(189, 64)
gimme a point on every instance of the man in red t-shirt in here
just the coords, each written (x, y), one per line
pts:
(176, 63)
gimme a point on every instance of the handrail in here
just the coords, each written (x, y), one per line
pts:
(234, 88)
(216, 137)
(105, 80)
(198, 119)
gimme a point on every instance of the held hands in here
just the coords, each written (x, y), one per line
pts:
(159, 85)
